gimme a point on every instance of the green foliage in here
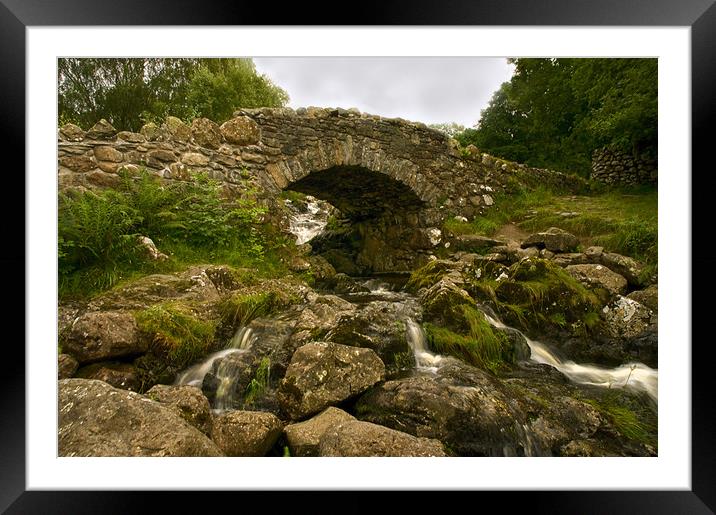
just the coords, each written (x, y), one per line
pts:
(623, 221)
(259, 383)
(451, 129)
(482, 346)
(96, 239)
(177, 335)
(632, 420)
(293, 196)
(131, 91)
(98, 231)
(554, 113)
(219, 86)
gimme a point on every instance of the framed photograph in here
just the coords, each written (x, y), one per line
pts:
(669, 469)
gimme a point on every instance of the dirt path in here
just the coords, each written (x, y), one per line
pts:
(511, 232)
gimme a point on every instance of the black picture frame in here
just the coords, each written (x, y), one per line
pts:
(699, 15)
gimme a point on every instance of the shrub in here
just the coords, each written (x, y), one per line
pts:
(97, 231)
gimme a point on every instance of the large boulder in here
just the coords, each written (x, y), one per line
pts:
(378, 326)
(461, 406)
(625, 266)
(241, 130)
(206, 133)
(150, 131)
(356, 438)
(71, 132)
(193, 285)
(553, 239)
(648, 297)
(304, 437)
(188, 401)
(600, 276)
(626, 318)
(101, 130)
(96, 419)
(117, 374)
(534, 411)
(177, 129)
(443, 304)
(99, 336)
(246, 433)
(322, 374)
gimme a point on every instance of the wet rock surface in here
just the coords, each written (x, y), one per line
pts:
(96, 419)
(323, 374)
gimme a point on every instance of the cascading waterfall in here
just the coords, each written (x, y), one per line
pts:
(631, 376)
(424, 359)
(309, 224)
(226, 372)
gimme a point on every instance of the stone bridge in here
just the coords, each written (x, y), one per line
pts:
(395, 181)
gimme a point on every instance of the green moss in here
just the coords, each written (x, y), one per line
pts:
(481, 346)
(558, 319)
(240, 308)
(591, 319)
(427, 275)
(177, 335)
(539, 292)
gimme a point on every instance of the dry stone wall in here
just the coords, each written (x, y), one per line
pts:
(615, 167)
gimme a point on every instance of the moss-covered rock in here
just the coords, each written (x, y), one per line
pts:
(536, 293)
(177, 334)
(481, 345)
(429, 274)
(443, 305)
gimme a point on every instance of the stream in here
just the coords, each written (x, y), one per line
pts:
(387, 295)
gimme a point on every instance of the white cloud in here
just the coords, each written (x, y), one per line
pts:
(425, 89)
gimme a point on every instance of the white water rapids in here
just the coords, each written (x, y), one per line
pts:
(239, 343)
(631, 376)
(309, 224)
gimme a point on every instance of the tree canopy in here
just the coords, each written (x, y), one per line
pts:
(554, 113)
(129, 92)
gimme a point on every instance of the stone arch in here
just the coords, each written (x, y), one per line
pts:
(347, 154)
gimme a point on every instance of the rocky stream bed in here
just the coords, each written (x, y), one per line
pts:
(390, 365)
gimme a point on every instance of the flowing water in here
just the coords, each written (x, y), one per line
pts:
(631, 376)
(309, 224)
(404, 307)
(226, 372)
(424, 359)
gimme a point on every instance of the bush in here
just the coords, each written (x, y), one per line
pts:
(97, 231)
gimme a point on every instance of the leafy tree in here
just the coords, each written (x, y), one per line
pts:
(219, 86)
(129, 92)
(450, 129)
(555, 112)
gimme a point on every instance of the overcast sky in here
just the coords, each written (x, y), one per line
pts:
(425, 89)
